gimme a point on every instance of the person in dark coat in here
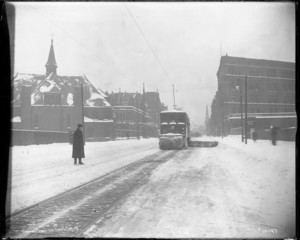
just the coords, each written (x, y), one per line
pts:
(273, 132)
(78, 145)
(254, 136)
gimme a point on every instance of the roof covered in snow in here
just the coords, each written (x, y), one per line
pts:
(173, 111)
(41, 84)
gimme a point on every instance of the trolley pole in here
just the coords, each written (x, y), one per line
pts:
(174, 97)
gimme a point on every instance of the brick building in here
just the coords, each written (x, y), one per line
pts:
(270, 95)
(136, 114)
(53, 103)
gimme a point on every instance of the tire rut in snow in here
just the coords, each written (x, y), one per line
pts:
(70, 213)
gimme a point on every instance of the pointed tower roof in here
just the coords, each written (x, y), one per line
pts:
(51, 64)
(51, 57)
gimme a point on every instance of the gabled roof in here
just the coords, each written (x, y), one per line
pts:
(41, 84)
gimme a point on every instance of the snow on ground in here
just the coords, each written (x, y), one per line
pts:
(42, 171)
(231, 191)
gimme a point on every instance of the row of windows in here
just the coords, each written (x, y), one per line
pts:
(276, 100)
(96, 115)
(36, 122)
(259, 71)
(124, 116)
(259, 110)
(257, 99)
(255, 86)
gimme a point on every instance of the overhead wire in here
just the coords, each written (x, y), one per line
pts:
(148, 43)
(113, 66)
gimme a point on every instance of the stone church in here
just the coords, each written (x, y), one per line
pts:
(53, 103)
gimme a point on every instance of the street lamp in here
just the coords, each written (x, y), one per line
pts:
(238, 87)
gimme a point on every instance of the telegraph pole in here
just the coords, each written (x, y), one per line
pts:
(137, 118)
(239, 87)
(83, 132)
(246, 120)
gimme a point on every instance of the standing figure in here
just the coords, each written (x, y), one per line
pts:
(78, 145)
(273, 132)
(254, 136)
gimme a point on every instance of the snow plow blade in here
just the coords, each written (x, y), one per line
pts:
(203, 143)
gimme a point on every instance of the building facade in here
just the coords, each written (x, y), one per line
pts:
(267, 86)
(135, 114)
(53, 103)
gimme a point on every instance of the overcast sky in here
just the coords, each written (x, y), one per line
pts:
(121, 45)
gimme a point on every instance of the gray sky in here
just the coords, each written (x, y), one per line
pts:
(121, 45)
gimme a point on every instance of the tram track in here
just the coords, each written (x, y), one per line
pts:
(79, 186)
(71, 213)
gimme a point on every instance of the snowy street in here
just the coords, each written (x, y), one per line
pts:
(232, 190)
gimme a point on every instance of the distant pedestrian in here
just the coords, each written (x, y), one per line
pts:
(254, 136)
(273, 133)
(78, 145)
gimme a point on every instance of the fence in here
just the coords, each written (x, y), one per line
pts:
(28, 137)
(284, 134)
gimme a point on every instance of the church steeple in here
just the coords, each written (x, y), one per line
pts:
(51, 63)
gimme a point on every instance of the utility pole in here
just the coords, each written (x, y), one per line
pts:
(174, 97)
(137, 117)
(82, 110)
(239, 86)
(246, 120)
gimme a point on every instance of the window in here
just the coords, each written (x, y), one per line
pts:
(52, 98)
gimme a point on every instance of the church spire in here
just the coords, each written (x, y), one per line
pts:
(51, 63)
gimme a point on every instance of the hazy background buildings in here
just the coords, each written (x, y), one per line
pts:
(123, 45)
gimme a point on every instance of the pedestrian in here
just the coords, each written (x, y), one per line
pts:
(273, 133)
(254, 136)
(78, 145)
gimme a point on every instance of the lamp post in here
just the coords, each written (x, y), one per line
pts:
(246, 121)
(238, 87)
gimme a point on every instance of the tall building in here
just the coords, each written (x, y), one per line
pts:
(53, 103)
(270, 95)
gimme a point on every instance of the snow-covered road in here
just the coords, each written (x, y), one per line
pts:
(232, 190)
(42, 171)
